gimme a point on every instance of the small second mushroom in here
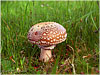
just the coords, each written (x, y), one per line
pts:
(46, 35)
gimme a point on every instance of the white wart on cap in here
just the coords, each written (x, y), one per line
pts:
(47, 33)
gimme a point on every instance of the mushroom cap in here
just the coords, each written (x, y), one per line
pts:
(47, 33)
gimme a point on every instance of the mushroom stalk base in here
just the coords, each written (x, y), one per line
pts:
(45, 55)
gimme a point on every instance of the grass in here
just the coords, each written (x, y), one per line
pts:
(78, 54)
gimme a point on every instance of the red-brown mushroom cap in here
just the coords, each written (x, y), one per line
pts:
(47, 33)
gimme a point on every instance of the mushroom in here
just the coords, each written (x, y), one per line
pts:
(46, 35)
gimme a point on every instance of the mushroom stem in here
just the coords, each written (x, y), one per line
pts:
(45, 55)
